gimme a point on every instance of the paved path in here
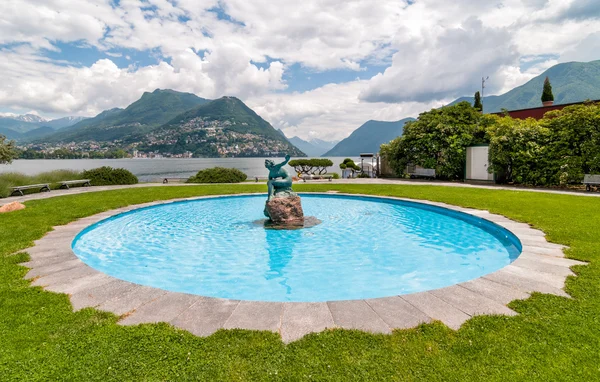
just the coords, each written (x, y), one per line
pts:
(541, 267)
(81, 190)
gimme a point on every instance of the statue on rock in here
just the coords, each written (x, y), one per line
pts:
(283, 205)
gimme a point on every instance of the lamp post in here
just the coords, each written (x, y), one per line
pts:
(483, 87)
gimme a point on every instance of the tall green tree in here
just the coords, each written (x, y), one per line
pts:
(8, 152)
(547, 92)
(477, 104)
(439, 139)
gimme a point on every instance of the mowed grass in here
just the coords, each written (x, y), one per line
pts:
(553, 338)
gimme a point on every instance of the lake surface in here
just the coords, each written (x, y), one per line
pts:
(149, 170)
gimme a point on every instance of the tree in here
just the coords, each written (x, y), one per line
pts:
(8, 152)
(349, 164)
(439, 139)
(311, 166)
(477, 104)
(547, 92)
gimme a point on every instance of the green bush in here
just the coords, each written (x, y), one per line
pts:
(335, 175)
(106, 176)
(218, 175)
(12, 179)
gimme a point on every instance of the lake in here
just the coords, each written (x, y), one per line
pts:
(152, 170)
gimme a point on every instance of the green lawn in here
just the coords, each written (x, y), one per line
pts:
(553, 338)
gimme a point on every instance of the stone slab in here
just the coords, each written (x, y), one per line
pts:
(162, 309)
(562, 261)
(559, 270)
(357, 314)
(302, 318)
(437, 309)
(93, 297)
(206, 316)
(556, 252)
(81, 283)
(523, 283)
(551, 279)
(471, 302)
(495, 291)
(398, 313)
(131, 300)
(53, 268)
(256, 315)
(65, 276)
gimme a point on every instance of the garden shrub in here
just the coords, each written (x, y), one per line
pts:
(218, 175)
(106, 176)
(314, 166)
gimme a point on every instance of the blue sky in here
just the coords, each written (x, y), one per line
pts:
(316, 69)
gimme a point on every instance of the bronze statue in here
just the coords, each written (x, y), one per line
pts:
(280, 180)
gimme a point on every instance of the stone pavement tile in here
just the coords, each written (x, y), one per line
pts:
(492, 290)
(302, 318)
(551, 259)
(163, 309)
(540, 244)
(559, 270)
(95, 296)
(527, 232)
(556, 252)
(64, 276)
(206, 316)
(81, 283)
(52, 268)
(256, 315)
(471, 302)
(131, 299)
(437, 309)
(357, 314)
(523, 283)
(511, 225)
(548, 278)
(52, 258)
(398, 313)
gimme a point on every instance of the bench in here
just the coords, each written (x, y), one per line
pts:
(66, 183)
(174, 180)
(589, 180)
(45, 187)
(420, 172)
(317, 177)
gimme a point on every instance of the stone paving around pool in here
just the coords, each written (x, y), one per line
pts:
(541, 267)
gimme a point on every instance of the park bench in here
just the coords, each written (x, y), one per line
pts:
(316, 177)
(591, 180)
(174, 180)
(66, 183)
(420, 172)
(44, 187)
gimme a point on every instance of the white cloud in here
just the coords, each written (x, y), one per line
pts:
(331, 112)
(435, 50)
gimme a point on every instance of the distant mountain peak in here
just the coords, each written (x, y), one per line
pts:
(369, 137)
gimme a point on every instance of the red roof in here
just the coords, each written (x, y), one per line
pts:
(538, 112)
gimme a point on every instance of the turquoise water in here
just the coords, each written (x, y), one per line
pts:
(364, 248)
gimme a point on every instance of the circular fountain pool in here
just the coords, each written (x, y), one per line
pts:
(364, 248)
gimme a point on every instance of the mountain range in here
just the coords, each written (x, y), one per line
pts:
(30, 126)
(313, 147)
(571, 82)
(171, 123)
(368, 138)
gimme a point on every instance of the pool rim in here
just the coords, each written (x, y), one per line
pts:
(499, 233)
(82, 283)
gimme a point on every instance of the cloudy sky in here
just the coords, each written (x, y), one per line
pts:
(314, 68)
